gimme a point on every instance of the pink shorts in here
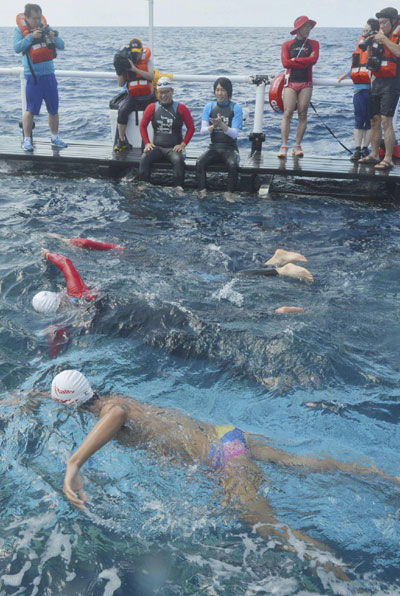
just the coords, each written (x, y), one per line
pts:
(299, 86)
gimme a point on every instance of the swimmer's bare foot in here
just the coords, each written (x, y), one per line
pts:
(58, 237)
(43, 253)
(290, 310)
(229, 197)
(295, 271)
(282, 257)
(179, 191)
(202, 194)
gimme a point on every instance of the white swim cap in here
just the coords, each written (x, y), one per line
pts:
(46, 302)
(164, 83)
(71, 387)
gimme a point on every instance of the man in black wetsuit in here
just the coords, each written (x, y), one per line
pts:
(167, 118)
(223, 120)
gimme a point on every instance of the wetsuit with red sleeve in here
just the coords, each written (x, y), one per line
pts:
(76, 288)
(167, 121)
(297, 59)
(94, 244)
(183, 116)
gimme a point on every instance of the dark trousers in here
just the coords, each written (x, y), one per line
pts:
(162, 154)
(129, 104)
(229, 157)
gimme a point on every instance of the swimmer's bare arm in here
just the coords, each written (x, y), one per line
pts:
(260, 451)
(112, 418)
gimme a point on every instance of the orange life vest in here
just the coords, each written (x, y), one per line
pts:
(136, 85)
(38, 52)
(388, 68)
(359, 72)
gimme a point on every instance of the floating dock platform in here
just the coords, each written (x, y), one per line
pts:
(258, 170)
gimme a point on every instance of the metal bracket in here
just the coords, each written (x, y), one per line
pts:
(259, 79)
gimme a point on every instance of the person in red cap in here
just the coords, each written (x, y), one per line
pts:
(298, 57)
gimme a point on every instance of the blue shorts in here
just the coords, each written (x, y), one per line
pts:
(361, 110)
(45, 89)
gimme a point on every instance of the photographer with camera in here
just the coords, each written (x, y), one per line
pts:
(134, 68)
(38, 43)
(383, 62)
(360, 76)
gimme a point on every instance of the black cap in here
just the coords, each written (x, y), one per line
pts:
(387, 13)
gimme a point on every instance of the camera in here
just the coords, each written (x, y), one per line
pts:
(46, 37)
(374, 61)
(121, 59)
(367, 40)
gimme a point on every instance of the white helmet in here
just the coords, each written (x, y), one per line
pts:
(46, 302)
(71, 387)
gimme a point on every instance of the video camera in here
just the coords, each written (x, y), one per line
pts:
(122, 57)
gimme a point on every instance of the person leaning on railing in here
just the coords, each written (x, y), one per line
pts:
(134, 68)
(383, 62)
(38, 43)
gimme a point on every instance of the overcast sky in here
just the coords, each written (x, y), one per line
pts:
(217, 13)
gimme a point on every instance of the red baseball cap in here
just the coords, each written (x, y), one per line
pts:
(300, 21)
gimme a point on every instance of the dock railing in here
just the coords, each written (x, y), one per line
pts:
(261, 81)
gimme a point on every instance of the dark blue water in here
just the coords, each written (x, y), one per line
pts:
(175, 326)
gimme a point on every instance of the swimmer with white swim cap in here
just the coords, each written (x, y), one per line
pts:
(46, 302)
(71, 387)
(226, 449)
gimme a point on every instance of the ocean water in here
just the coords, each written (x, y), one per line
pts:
(177, 327)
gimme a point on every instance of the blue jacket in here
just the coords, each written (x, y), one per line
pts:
(21, 44)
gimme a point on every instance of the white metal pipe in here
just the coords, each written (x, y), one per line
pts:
(259, 108)
(210, 78)
(151, 24)
(101, 74)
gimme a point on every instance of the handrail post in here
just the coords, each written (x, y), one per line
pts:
(257, 137)
(151, 24)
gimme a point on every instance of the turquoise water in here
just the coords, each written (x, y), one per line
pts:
(175, 326)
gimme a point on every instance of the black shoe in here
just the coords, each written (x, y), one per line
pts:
(121, 145)
(364, 152)
(356, 155)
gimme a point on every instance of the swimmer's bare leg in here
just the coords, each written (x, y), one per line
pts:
(59, 237)
(282, 257)
(290, 310)
(241, 482)
(295, 271)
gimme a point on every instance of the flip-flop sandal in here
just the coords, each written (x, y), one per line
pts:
(283, 151)
(369, 160)
(298, 151)
(384, 165)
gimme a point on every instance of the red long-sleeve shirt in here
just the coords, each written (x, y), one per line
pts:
(181, 109)
(304, 62)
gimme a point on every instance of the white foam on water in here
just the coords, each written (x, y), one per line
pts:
(113, 581)
(16, 579)
(228, 293)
